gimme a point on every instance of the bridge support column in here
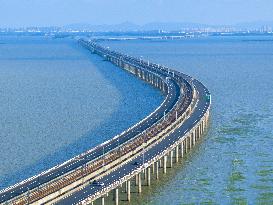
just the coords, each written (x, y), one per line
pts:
(148, 176)
(207, 121)
(102, 201)
(160, 163)
(193, 137)
(189, 142)
(182, 149)
(116, 196)
(165, 165)
(139, 182)
(153, 168)
(197, 133)
(171, 159)
(136, 178)
(144, 173)
(176, 154)
(186, 144)
(156, 170)
(128, 190)
(126, 186)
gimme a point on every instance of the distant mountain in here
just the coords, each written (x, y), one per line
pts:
(172, 26)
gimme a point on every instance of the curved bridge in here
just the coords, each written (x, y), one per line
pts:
(167, 134)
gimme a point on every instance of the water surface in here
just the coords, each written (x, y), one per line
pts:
(57, 100)
(233, 164)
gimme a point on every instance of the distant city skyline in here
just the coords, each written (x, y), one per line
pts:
(23, 13)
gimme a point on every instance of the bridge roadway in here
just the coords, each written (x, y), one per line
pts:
(128, 168)
(174, 93)
(72, 165)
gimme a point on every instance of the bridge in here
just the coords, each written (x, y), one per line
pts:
(151, 145)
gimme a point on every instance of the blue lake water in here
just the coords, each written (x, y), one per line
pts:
(234, 162)
(57, 100)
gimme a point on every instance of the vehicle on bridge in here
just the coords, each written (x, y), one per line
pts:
(97, 183)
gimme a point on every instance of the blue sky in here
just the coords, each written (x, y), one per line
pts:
(14, 13)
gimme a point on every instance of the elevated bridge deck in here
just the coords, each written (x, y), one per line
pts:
(176, 124)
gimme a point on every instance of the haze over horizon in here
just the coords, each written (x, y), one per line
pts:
(23, 13)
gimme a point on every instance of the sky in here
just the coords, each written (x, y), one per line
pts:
(22, 13)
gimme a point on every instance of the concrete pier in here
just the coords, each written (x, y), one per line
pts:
(182, 148)
(139, 183)
(171, 159)
(116, 197)
(148, 176)
(186, 144)
(157, 170)
(177, 154)
(136, 179)
(129, 190)
(165, 164)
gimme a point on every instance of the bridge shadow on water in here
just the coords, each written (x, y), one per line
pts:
(138, 99)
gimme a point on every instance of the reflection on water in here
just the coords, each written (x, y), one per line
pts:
(234, 162)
